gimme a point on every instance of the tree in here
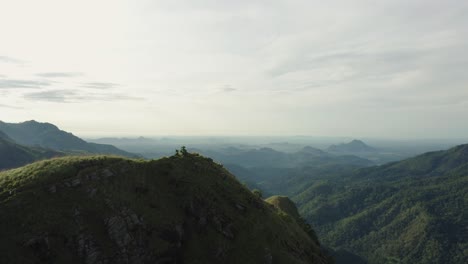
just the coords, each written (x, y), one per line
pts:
(183, 151)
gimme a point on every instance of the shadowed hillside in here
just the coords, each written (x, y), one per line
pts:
(14, 155)
(32, 133)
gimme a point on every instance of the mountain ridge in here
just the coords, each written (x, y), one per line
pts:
(411, 211)
(354, 146)
(47, 135)
(14, 155)
(102, 209)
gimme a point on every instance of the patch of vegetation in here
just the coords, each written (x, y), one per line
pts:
(413, 211)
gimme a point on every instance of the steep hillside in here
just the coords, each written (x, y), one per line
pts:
(181, 209)
(46, 135)
(413, 211)
(13, 155)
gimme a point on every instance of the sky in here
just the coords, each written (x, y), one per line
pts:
(360, 68)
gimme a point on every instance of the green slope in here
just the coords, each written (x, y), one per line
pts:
(285, 204)
(413, 211)
(13, 155)
(32, 133)
(181, 209)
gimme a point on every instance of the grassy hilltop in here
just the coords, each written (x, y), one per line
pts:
(180, 209)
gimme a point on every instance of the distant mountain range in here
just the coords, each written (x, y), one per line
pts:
(115, 210)
(46, 135)
(355, 146)
(268, 157)
(14, 155)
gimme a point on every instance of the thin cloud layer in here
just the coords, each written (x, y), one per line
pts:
(60, 74)
(99, 85)
(338, 67)
(67, 96)
(22, 84)
(10, 106)
(6, 59)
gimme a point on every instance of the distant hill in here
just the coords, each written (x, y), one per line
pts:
(312, 150)
(270, 158)
(180, 209)
(354, 146)
(32, 133)
(412, 211)
(280, 173)
(14, 155)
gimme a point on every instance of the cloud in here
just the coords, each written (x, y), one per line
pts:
(60, 74)
(10, 106)
(59, 96)
(67, 96)
(22, 84)
(314, 63)
(228, 89)
(99, 85)
(6, 59)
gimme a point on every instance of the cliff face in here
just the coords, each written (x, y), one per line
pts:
(182, 209)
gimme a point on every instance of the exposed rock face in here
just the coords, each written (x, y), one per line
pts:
(110, 210)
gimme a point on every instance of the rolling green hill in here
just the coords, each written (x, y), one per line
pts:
(32, 133)
(412, 211)
(181, 209)
(13, 155)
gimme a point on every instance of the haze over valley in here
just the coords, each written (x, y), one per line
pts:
(243, 132)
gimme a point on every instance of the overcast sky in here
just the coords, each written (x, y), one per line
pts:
(396, 68)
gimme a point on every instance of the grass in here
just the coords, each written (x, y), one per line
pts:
(65, 199)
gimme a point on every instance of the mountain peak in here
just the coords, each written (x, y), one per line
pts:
(34, 123)
(357, 141)
(355, 145)
(47, 135)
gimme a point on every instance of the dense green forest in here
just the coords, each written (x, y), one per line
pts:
(412, 211)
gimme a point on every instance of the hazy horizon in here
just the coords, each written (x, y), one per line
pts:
(351, 69)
